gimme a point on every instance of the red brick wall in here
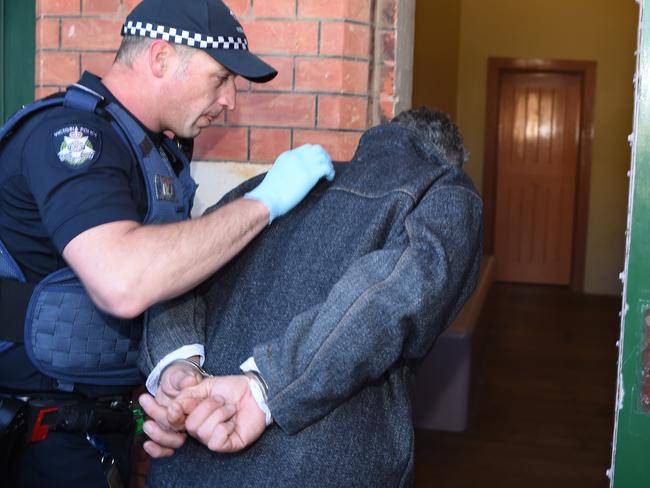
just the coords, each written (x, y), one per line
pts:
(385, 59)
(335, 58)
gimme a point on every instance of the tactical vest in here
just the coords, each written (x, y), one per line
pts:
(65, 335)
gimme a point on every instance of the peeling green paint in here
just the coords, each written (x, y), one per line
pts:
(631, 447)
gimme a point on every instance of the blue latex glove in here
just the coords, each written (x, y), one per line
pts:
(291, 177)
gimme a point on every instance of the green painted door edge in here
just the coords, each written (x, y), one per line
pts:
(631, 446)
(3, 116)
(18, 48)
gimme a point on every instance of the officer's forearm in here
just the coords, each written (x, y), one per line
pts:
(126, 267)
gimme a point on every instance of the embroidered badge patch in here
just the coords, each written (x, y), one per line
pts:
(77, 145)
(165, 188)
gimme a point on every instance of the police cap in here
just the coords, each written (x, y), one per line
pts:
(204, 24)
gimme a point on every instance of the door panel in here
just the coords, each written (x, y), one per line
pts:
(537, 158)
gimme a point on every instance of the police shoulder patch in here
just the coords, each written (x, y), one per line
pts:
(77, 145)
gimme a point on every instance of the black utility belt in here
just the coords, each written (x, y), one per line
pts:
(38, 417)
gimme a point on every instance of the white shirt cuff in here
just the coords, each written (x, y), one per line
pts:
(250, 365)
(180, 353)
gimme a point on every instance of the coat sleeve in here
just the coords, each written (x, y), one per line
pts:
(389, 306)
(170, 326)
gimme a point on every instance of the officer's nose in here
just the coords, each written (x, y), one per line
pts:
(228, 95)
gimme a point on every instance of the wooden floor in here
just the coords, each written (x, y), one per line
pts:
(542, 415)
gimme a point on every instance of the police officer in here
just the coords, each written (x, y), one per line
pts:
(94, 206)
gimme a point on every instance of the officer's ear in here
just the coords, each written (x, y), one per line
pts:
(161, 57)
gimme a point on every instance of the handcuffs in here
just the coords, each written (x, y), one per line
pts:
(252, 375)
(189, 362)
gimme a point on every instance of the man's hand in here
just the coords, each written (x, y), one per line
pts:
(291, 177)
(163, 438)
(220, 412)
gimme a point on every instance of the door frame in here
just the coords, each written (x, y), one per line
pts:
(17, 53)
(587, 72)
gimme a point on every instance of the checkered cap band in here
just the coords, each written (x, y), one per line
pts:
(179, 36)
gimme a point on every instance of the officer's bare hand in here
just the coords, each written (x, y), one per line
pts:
(163, 437)
(222, 427)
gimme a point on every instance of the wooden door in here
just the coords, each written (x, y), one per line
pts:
(537, 163)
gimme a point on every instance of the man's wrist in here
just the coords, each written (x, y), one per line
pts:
(187, 351)
(193, 364)
(259, 390)
(254, 196)
(261, 382)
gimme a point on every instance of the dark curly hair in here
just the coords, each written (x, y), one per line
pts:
(439, 129)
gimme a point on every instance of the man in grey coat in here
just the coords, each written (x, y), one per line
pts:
(327, 313)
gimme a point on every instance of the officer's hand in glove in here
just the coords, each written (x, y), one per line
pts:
(291, 177)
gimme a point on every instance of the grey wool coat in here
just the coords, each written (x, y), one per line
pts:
(336, 301)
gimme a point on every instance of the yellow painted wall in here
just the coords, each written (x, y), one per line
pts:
(435, 58)
(600, 30)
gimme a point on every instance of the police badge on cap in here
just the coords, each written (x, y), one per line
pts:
(203, 24)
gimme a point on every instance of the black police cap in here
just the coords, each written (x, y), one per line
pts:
(204, 24)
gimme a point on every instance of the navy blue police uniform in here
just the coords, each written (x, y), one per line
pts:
(64, 171)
